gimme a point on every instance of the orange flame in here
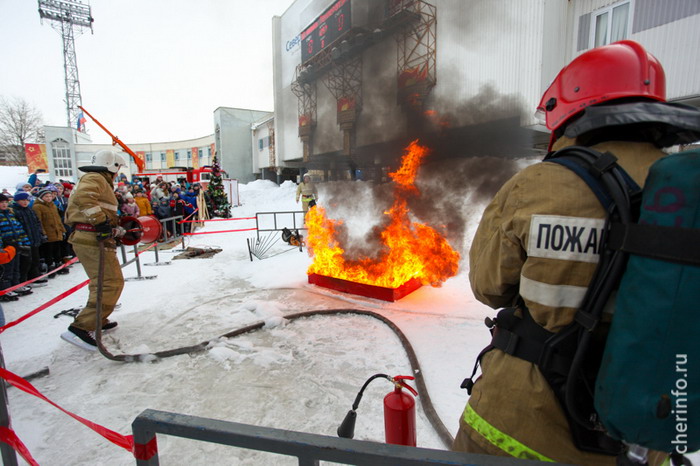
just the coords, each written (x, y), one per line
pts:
(410, 249)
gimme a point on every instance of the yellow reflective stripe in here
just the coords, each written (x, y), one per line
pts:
(667, 461)
(503, 441)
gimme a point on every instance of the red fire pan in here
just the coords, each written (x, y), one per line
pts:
(362, 289)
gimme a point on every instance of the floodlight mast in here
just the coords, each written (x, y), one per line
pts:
(65, 16)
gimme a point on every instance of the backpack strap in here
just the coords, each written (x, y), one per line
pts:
(523, 338)
(590, 165)
(654, 241)
(675, 244)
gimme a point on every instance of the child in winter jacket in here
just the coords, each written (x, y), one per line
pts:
(29, 265)
(7, 253)
(53, 228)
(178, 207)
(144, 204)
(12, 234)
(130, 207)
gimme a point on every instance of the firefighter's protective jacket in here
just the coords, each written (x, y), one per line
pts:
(307, 191)
(538, 239)
(92, 202)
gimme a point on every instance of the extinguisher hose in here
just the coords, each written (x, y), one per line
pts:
(424, 397)
(356, 404)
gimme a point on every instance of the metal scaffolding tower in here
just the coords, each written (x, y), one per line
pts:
(66, 17)
(416, 67)
(304, 88)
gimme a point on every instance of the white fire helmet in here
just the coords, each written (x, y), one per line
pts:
(105, 160)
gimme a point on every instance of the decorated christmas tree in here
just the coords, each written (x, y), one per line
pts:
(218, 202)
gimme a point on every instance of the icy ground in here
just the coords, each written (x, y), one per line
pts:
(301, 375)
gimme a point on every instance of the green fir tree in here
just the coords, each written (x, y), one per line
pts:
(219, 205)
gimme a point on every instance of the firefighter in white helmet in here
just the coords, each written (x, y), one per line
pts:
(307, 192)
(92, 212)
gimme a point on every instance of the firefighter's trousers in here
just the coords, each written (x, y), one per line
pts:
(112, 284)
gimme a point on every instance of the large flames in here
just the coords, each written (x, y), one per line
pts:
(410, 250)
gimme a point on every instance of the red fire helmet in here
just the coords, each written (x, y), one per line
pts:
(622, 69)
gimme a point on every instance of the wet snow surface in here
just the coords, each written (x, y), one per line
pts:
(301, 375)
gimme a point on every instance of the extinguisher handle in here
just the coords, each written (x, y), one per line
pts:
(399, 380)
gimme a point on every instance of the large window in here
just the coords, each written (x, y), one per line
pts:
(162, 157)
(62, 162)
(611, 24)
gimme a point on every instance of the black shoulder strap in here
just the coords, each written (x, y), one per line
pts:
(654, 241)
(590, 165)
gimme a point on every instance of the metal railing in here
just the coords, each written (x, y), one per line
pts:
(309, 449)
(294, 221)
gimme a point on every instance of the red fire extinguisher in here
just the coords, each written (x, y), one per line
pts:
(399, 412)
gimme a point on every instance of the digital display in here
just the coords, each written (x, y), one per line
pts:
(325, 29)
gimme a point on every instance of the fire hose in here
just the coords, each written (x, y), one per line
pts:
(425, 400)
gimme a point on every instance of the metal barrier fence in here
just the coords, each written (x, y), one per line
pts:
(294, 220)
(309, 449)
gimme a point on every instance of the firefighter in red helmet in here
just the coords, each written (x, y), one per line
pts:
(611, 99)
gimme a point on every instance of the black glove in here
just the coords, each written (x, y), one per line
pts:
(104, 231)
(25, 251)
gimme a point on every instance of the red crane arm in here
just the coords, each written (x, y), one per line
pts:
(116, 140)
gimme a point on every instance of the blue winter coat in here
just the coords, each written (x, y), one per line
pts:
(190, 199)
(31, 224)
(11, 229)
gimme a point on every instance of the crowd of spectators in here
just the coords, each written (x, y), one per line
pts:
(32, 221)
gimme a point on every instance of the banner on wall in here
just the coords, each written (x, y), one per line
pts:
(195, 157)
(213, 153)
(36, 157)
(170, 158)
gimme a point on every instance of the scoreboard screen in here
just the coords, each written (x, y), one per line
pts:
(333, 23)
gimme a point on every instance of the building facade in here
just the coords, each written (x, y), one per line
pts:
(233, 142)
(356, 80)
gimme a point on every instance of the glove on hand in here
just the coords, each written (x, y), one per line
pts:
(118, 232)
(104, 231)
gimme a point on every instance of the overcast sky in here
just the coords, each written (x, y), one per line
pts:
(152, 71)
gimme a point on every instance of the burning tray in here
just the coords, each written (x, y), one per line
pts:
(362, 289)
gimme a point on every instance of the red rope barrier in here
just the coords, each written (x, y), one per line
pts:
(213, 232)
(124, 441)
(51, 302)
(217, 220)
(9, 436)
(56, 299)
(28, 282)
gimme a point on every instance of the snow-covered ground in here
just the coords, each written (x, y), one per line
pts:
(300, 375)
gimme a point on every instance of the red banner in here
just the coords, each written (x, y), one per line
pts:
(346, 103)
(412, 76)
(36, 157)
